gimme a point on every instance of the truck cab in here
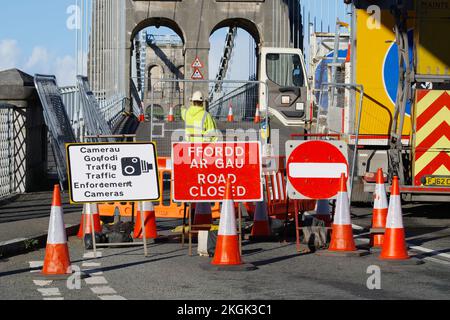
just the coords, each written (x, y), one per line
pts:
(284, 71)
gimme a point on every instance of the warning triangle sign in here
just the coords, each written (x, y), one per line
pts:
(197, 63)
(197, 75)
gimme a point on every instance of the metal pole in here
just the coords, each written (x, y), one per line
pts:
(91, 218)
(144, 235)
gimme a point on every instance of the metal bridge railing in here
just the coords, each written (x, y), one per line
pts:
(12, 153)
(111, 109)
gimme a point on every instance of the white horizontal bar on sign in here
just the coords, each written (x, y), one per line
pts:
(317, 170)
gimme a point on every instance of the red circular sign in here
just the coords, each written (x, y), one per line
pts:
(314, 169)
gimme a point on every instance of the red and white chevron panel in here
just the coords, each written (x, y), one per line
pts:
(432, 137)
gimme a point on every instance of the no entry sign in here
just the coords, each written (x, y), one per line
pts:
(105, 172)
(315, 167)
(201, 171)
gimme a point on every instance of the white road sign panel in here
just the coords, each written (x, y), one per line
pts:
(105, 172)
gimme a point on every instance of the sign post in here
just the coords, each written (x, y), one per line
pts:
(113, 172)
(315, 167)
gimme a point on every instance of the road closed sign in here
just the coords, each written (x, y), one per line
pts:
(112, 172)
(201, 171)
(314, 168)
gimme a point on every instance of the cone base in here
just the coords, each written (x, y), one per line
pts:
(227, 251)
(357, 253)
(240, 267)
(394, 246)
(342, 238)
(57, 260)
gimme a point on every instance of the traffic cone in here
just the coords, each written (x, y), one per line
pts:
(257, 115)
(230, 114)
(170, 117)
(323, 212)
(203, 214)
(85, 224)
(149, 221)
(342, 232)
(394, 244)
(380, 211)
(142, 117)
(261, 226)
(57, 259)
(227, 248)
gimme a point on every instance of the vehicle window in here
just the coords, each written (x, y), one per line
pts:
(285, 69)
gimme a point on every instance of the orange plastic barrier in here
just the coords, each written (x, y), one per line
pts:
(167, 208)
(276, 194)
(108, 209)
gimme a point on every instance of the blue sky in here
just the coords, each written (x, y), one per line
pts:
(34, 37)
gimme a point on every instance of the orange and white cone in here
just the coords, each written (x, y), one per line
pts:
(261, 226)
(57, 259)
(170, 117)
(323, 212)
(230, 117)
(203, 214)
(257, 115)
(342, 231)
(142, 117)
(380, 211)
(394, 244)
(149, 221)
(85, 224)
(227, 248)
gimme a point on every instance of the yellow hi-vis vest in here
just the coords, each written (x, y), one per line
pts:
(200, 125)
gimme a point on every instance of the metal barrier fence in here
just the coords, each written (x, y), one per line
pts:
(241, 97)
(12, 150)
(342, 119)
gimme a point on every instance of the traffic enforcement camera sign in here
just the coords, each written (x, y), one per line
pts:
(201, 171)
(314, 168)
(112, 172)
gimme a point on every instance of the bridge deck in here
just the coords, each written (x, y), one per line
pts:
(27, 214)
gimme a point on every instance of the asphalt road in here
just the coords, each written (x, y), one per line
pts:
(169, 273)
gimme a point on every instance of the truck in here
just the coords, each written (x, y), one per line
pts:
(400, 60)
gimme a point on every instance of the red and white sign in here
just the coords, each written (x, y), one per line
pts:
(197, 63)
(197, 75)
(314, 168)
(201, 171)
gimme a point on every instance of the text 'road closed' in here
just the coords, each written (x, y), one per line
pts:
(201, 171)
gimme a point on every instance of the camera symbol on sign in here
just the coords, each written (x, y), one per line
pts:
(134, 167)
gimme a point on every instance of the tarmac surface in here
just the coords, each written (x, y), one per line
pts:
(169, 273)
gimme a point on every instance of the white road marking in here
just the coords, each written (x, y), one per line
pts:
(103, 290)
(42, 283)
(435, 252)
(91, 264)
(36, 265)
(96, 280)
(90, 255)
(48, 292)
(112, 298)
(58, 298)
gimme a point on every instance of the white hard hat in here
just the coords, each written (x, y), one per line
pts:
(197, 96)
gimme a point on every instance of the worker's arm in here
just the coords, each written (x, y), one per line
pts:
(211, 129)
(183, 113)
